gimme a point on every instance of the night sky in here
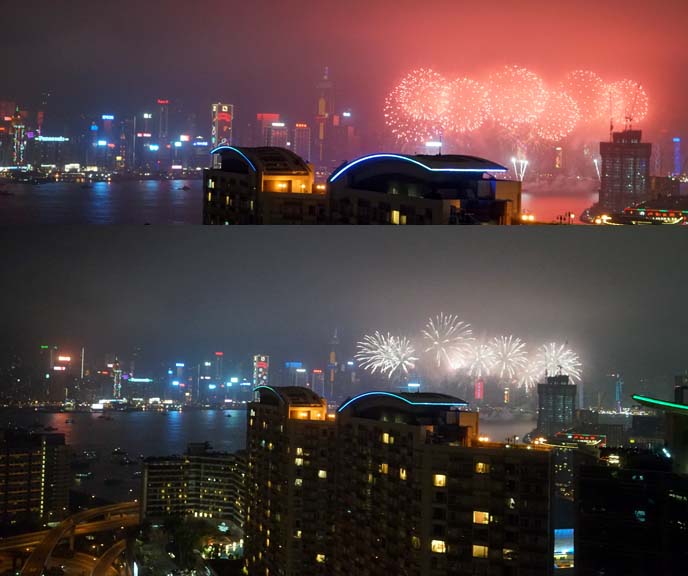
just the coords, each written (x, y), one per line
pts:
(111, 55)
(617, 296)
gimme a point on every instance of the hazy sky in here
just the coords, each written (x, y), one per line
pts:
(266, 54)
(617, 296)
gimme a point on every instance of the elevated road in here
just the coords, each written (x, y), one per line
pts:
(33, 539)
(36, 563)
(104, 564)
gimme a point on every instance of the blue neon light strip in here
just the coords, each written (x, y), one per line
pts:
(238, 152)
(412, 161)
(392, 395)
(258, 388)
(661, 403)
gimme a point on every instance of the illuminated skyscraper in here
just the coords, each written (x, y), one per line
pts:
(556, 405)
(261, 370)
(625, 171)
(222, 119)
(325, 109)
(258, 132)
(116, 380)
(276, 135)
(164, 120)
(332, 365)
(678, 164)
(301, 144)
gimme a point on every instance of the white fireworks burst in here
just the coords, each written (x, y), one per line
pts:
(556, 358)
(529, 376)
(447, 337)
(386, 353)
(510, 356)
(480, 361)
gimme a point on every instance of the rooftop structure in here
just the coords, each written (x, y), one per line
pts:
(403, 189)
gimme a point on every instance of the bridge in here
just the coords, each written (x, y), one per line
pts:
(43, 543)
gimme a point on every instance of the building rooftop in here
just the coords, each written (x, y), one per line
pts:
(291, 395)
(268, 160)
(431, 399)
(424, 164)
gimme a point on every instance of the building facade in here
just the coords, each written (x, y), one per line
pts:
(289, 523)
(406, 190)
(34, 477)
(202, 483)
(625, 171)
(261, 186)
(556, 405)
(391, 484)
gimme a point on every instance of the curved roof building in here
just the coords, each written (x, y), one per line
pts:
(403, 189)
(261, 186)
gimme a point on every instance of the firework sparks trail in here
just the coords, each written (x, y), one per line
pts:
(480, 361)
(446, 336)
(556, 358)
(510, 356)
(386, 354)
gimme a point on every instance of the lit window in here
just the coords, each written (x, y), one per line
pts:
(320, 558)
(402, 473)
(384, 468)
(479, 551)
(298, 461)
(640, 515)
(395, 217)
(298, 482)
(482, 468)
(440, 480)
(385, 438)
(438, 546)
(511, 503)
(508, 554)
(415, 542)
(210, 196)
(299, 451)
(322, 473)
(480, 517)
(297, 534)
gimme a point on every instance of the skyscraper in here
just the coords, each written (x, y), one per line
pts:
(625, 171)
(394, 484)
(556, 405)
(163, 120)
(276, 134)
(325, 109)
(301, 144)
(222, 120)
(261, 370)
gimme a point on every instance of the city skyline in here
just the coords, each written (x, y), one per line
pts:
(170, 293)
(178, 55)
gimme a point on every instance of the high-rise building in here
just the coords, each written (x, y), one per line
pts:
(556, 405)
(258, 130)
(222, 122)
(202, 483)
(261, 186)
(163, 120)
(276, 135)
(301, 144)
(395, 484)
(325, 109)
(261, 370)
(289, 483)
(678, 160)
(34, 477)
(625, 172)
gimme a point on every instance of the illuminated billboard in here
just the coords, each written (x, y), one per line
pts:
(222, 117)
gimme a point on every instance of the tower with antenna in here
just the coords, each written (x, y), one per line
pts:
(332, 364)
